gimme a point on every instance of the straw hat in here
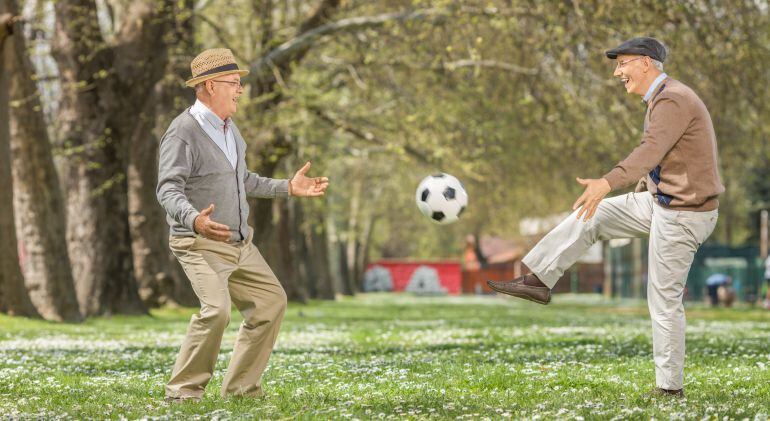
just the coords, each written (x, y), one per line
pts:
(212, 63)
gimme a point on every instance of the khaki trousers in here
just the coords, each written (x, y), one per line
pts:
(674, 238)
(221, 274)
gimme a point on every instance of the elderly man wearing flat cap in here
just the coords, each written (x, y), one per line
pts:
(203, 183)
(675, 204)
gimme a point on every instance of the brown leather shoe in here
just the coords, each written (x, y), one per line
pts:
(657, 392)
(527, 287)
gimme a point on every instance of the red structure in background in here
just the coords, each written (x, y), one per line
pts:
(491, 258)
(449, 272)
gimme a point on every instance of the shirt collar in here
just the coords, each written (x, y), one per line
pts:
(654, 86)
(202, 109)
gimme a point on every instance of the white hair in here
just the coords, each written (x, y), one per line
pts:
(657, 64)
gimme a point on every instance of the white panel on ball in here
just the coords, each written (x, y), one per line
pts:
(442, 198)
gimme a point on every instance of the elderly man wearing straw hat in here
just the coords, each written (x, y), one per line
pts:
(203, 183)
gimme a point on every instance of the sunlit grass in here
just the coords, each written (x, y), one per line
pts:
(402, 356)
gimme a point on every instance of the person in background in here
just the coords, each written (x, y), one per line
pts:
(713, 283)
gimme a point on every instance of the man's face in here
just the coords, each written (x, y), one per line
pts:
(632, 71)
(226, 91)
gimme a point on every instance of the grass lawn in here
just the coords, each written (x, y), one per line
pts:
(399, 356)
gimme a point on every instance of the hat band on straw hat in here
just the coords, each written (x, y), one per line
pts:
(224, 68)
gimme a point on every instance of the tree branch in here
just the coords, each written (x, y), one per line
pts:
(366, 136)
(78, 44)
(265, 81)
(293, 50)
(146, 29)
(321, 15)
(447, 66)
(6, 25)
(452, 65)
(218, 32)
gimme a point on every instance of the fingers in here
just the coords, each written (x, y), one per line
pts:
(305, 168)
(219, 237)
(593, 211)
(579, 201)
(208, 210)
(590, 209)
(214, 230)
(581, 212)
(586, 211)
(217, 231)
(217, 226)
(582, 181)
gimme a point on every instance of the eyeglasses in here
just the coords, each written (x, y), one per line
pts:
(623, 63)
(237, 84)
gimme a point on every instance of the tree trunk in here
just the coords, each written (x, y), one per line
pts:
(318, 254)
(104, 91)
(14, 299)
(37, 195)
(362, 257)
(335, 254)
(351, 238)
(159, 277)
(295, 289)
(272, 220)
(304, 269)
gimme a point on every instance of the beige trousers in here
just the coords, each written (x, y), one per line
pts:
(674, 238)
(221, 274)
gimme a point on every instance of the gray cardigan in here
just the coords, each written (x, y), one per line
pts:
(193, 173)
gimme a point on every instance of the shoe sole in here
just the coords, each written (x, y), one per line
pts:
(522, 296)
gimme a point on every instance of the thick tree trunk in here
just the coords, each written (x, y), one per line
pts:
(14, 299)
(104, 90)
(159, 277)
(37, 196)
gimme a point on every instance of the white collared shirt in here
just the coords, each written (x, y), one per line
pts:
(219, 131)
(654, 86)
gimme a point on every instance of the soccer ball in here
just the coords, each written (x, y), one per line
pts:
(442, 198)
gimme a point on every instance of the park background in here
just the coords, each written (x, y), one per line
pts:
(515, 98)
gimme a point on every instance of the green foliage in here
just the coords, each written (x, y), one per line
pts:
(402, 357)
(515, 98)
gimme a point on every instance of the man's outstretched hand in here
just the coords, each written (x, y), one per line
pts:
(302, 185)
(596, 189)
(210, 229)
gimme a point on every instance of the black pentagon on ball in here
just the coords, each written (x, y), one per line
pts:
(424, 195)
(438, 216)
(449, 193)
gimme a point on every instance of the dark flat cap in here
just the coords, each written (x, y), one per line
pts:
(643, 46)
